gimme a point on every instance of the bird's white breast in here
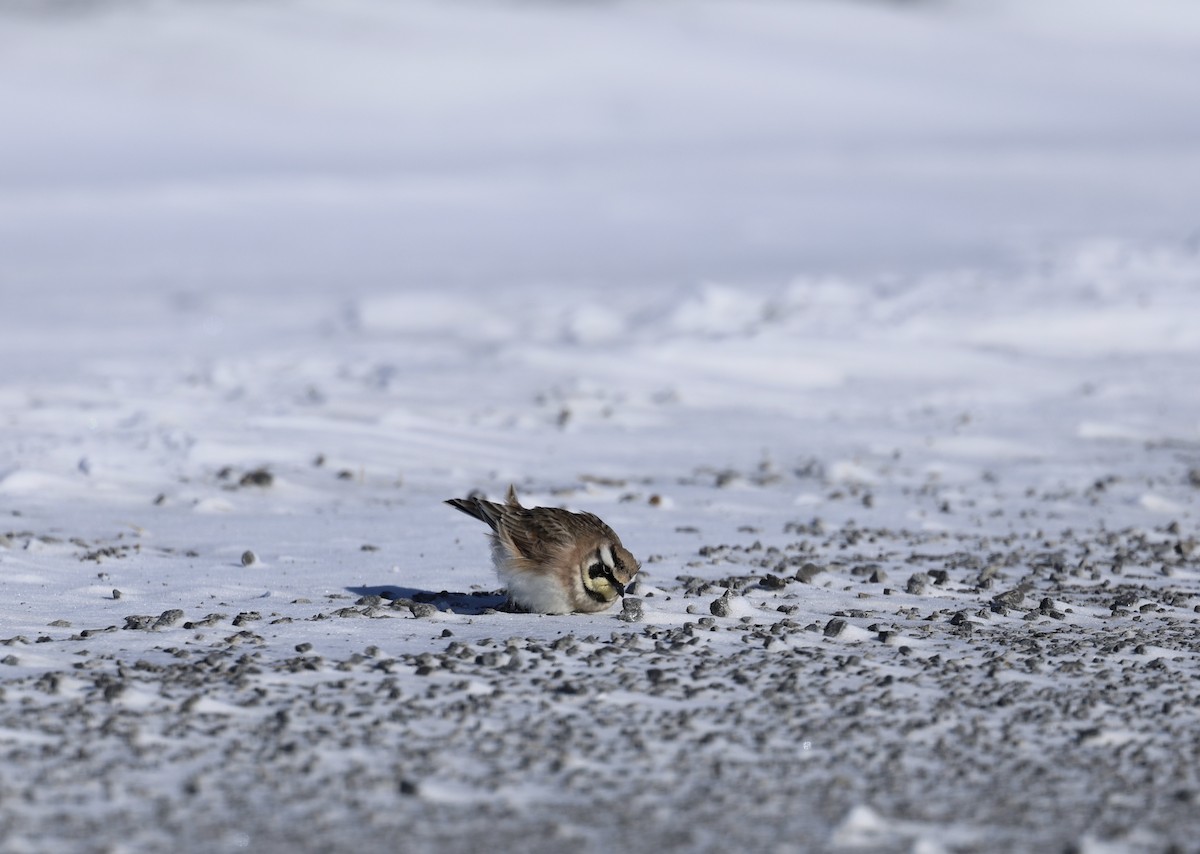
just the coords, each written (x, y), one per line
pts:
(534, 592)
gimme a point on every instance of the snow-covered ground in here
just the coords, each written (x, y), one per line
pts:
(873, 329)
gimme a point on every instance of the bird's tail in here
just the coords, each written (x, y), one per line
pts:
(482, 509)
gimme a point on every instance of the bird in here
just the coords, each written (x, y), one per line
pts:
(551, 560)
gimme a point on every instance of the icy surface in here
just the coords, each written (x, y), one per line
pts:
(873, 329)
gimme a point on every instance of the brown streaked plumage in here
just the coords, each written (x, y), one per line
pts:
(551, 560)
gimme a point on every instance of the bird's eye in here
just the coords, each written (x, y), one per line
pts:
(596, 570)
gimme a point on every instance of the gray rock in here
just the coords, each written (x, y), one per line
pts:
(168, 618)
(632, 610)
(808, 572)
(1010, 598)
(1124, 599)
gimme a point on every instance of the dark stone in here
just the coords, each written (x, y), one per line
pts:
(834, 627)
(258, 477)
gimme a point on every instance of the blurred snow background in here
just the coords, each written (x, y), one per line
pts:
(508, 210)
(534, 215)
(365, 145)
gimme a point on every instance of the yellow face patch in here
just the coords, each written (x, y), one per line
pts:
(600, 586)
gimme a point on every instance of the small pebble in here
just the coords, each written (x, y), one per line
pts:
(808, 572)
(249, 558)
(258, 477)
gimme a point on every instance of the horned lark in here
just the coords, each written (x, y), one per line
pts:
(551, 560)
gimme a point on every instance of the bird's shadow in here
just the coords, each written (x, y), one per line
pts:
(472, 604)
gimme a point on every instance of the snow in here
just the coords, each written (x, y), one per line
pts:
(866, 284)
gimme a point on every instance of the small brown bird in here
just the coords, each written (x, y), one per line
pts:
(553, 561)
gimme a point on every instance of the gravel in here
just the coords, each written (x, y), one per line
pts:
(823, 717)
